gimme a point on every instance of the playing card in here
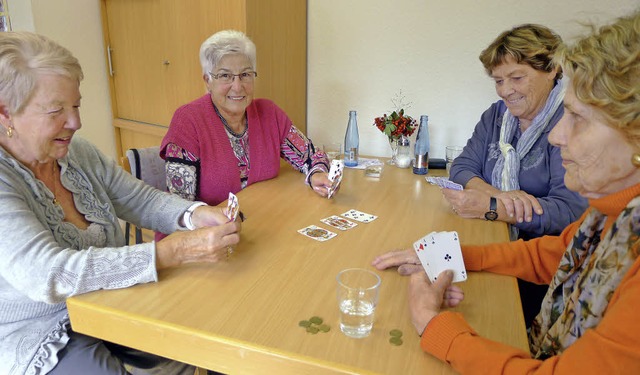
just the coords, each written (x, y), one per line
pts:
(335, 176)
(440, 251)
(420, 247)
(317, 233)
(233, 207)
(359, 216)
(443, 182)
(338, 222)
(447, 184)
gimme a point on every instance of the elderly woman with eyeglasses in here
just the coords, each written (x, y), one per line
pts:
(227, 140)
(588, 323)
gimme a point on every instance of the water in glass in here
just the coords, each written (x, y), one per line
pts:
(356, 317)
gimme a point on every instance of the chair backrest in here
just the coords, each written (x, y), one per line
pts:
(147, 165)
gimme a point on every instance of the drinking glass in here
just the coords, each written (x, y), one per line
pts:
(452, 152)
(358, 291)
(333, 150)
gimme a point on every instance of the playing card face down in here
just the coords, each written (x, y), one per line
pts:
(233, 207)
(317, 233)
(360, 216)
(338, 222)
(335, 176)
(443, 182)
(440, 251)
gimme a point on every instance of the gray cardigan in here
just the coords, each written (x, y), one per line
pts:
(44, 260)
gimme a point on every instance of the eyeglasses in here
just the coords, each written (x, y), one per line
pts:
(227, 78)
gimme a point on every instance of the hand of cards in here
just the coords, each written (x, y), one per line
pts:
(335, 176)
(440, 251)
(443, 182)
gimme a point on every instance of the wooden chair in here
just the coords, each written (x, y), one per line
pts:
(146, 165)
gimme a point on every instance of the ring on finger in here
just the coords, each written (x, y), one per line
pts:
(515, 198)
(229, 251)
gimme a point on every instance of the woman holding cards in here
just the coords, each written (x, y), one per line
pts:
(588, 321)
(227, 140)
(60, 234)
(508, 169)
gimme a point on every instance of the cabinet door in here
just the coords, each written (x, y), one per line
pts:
(154, 52)
(279, 30)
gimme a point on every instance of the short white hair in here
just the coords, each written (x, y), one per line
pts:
(23, 57)
(223, 43)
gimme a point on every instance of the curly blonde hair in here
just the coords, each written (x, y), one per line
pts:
(531, 44)
(604, 69)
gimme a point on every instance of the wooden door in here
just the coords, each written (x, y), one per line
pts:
(279, 30)
(154, 47)
(154, 52)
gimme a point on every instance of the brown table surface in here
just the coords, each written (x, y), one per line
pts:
(241, 316)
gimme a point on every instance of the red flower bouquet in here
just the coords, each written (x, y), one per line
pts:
(396, 125)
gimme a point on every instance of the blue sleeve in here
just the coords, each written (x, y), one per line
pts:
(560, 206)
(472, 162)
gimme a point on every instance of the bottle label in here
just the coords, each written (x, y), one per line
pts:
(351, 157)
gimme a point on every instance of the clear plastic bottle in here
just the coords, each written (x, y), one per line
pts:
(421, 149)
(351, 141)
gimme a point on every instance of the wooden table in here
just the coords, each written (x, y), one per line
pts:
(241, 316)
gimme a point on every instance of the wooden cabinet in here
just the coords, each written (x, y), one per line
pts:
(153, 48)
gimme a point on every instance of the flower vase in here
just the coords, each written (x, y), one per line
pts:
(394, 151)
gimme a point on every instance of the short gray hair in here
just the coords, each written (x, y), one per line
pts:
(223, 43)
(24, 56)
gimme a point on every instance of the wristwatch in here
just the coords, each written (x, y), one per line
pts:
(492, 214)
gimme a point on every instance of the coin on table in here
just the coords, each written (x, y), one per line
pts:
(395, 333)
(324, 328)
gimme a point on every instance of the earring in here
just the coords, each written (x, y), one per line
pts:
(635, 160)
(10, 132)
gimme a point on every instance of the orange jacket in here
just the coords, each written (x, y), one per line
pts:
(613, 347)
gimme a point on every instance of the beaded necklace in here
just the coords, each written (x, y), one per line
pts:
(226, 125)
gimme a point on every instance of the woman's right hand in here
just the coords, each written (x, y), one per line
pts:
(207, 244)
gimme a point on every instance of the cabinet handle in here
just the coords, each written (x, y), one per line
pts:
(111, 71)
(166, 62)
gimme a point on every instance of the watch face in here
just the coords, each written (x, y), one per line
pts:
(491, 215)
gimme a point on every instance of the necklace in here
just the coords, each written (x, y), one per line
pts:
(55, 190)
(226, 125)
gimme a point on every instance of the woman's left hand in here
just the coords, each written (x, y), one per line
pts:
(520, 205)
(320, 183)
(426, 299)
(406, 260)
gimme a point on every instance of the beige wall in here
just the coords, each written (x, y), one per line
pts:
(76, 24)
(361, 52)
